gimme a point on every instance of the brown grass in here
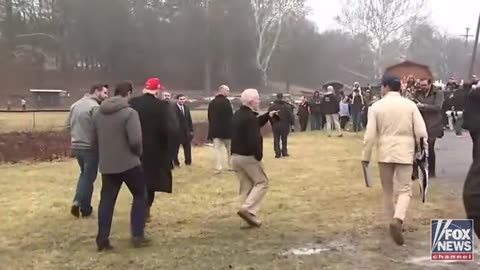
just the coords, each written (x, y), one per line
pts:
(317, 195)
(42, 121)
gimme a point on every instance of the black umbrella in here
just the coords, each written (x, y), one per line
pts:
(336, 85)
(421, 160)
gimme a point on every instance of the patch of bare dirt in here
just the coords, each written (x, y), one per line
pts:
(53, 145)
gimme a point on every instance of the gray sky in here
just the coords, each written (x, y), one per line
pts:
(451, 16)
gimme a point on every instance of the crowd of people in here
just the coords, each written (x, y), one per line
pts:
(136, 141)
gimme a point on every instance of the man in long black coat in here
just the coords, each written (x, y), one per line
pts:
(185, 131)
(220, 116)
(471, 190)
(158, 136)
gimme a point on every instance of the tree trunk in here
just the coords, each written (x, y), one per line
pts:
(264, 78)
(207, 69)
(208, 78)
(9, 29)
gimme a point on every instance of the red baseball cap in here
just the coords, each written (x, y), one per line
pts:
(154, 84)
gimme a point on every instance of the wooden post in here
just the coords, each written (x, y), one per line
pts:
(474, 54)
(33, 124)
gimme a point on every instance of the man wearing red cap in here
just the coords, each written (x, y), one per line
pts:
(158, 136)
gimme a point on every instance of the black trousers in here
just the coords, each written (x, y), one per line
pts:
(471, 189)
(431, 157)
(303, 119)
(280, 134)
(476, 146)
(343, 121)
(111, 184)
(150, 198)
(187, 152)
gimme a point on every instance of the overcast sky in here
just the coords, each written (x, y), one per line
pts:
(452, 16)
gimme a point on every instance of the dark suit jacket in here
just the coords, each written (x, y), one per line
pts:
(158, 134)
(185, 123)
(471, 115)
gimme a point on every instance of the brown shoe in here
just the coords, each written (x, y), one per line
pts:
(396, 231)
(249, 218)
(75, 211)
(140, 242)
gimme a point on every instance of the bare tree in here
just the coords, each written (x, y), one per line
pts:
(383, 21)
(270, 16)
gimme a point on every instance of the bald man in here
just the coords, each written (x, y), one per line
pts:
(247, 154)
(220, 115)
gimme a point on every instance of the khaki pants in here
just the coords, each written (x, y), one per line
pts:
(333, 118)
(219, 146)
(253, 182)
(396, 181)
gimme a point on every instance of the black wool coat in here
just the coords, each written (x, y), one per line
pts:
(220, 115)
(159, 130)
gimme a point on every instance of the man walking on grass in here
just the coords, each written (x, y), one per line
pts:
(80, 125)
(430, 102)
(247, 154)
(396, 126)
(185, 131)
(159, 132)
(281, 125)
(119, 137)
(220, 115)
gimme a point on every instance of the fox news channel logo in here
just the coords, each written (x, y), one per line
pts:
(452, 240)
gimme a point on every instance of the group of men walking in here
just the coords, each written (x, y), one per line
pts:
(135, 140)
(129, 140)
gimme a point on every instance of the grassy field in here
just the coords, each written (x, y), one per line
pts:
(27, 121)
(316, 196)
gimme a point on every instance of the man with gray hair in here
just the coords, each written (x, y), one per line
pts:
(247, 154)
(220, 115)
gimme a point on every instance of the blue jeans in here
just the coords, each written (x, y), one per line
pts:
(111, 184)
(357, 121)
(88, 162)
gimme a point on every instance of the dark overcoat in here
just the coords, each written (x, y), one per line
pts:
(158, 133)
(220, 115)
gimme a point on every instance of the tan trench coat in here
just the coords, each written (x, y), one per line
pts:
(395, 125)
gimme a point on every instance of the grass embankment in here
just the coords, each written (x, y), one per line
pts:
(45, 121)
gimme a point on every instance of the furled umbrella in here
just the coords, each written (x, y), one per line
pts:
(421, 160)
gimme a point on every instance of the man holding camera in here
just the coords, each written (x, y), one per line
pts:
(429, 101)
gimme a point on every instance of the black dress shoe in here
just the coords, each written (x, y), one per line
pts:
(285, 155)
(140, 242)
(103, 245)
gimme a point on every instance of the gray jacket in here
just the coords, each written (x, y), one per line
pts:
(432, 112)
(119, 136)
(80, 122)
